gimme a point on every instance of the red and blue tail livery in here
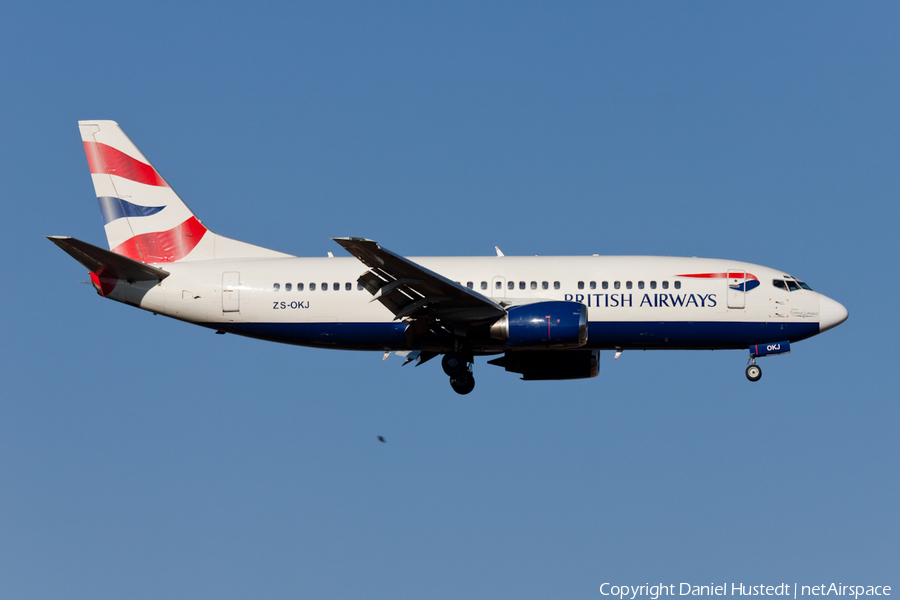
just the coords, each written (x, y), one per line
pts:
(144, 218)
(542, 317)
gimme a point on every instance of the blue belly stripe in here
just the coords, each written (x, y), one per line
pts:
(603, 335)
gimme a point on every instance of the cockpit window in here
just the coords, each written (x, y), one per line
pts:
(790, 284)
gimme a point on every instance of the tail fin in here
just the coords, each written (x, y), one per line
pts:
(144, 218)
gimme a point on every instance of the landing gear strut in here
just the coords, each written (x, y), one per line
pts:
(459, 367)
(754, 373)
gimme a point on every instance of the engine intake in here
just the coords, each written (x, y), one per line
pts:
(543, 325)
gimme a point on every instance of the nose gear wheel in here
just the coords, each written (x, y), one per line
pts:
(754, 373)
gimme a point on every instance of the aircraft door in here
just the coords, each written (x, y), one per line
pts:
(737, 283)
(231, 292)
(498, 287)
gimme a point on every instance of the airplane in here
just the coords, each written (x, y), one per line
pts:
(542, 317)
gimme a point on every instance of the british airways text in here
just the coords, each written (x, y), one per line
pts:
(651, 300)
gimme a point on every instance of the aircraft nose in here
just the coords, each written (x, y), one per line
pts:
(831, 313)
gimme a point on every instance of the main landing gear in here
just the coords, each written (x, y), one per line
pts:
(754, 373)
(458, 367)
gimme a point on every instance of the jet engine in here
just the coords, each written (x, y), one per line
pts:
(543, 325)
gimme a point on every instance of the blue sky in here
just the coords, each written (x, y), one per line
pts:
(145, 458)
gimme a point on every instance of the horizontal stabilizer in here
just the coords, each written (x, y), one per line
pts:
(110, 264)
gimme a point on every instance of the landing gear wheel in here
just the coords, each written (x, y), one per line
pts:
(454, 364)
(462, 383)
(754, 373)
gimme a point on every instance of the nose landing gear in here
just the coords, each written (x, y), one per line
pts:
(459, 367)
(754, 373)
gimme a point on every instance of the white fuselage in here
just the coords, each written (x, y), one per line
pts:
(638, 302)
(548, 316)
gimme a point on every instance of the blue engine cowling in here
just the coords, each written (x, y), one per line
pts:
(543, 325)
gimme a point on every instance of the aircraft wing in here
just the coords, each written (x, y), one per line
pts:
(411, 291)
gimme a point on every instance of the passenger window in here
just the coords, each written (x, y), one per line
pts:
(312, 287)
(470, 285)
(497, 285)
(677, 285)
(605, 285)
(276, 286)
(640, 285)
(534, 285)
(580, 285)
(324, 287)
(792, 286)
(511, 285)
(299, 287)
(665, 285)
(617, 284)
(652, 285)
(336, 287)
(555, 285)
(779, 284)
(348, 286)
(484, 285)
(287, 287)
(593, 285)
(359, 286)
(545, 285)
(628, 285)
(521, 285)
